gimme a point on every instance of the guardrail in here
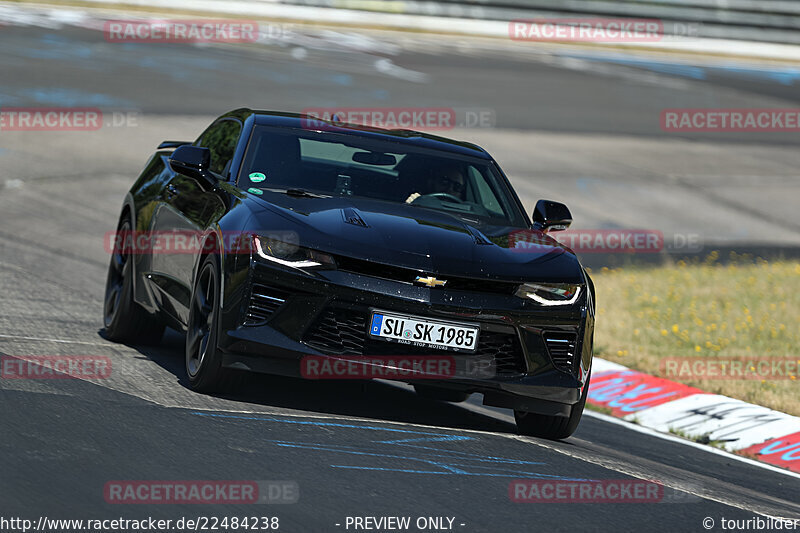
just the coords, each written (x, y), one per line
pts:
(776, 21)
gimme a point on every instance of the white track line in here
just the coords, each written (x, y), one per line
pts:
(674, 438)
(61, 341)
(480, 409)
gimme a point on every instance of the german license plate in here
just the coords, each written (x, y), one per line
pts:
(417, 331)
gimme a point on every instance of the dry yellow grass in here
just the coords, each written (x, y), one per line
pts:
(742, 309)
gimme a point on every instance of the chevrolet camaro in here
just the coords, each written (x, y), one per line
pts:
(276, 240)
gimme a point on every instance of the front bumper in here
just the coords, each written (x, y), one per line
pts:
(541, 355)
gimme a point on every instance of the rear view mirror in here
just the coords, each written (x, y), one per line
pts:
(193, 161)
(549, 215)
(375, 158)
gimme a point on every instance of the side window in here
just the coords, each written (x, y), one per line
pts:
(221, 139)
(484, 193)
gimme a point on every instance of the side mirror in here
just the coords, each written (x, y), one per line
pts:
(549, 215)
(193, 161)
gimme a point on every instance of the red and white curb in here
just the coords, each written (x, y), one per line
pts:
(749, 430)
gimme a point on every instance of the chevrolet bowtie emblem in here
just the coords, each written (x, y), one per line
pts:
(430, 281)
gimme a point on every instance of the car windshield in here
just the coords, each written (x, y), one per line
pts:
(348, 165)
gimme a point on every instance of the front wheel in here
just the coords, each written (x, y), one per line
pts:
(552, 427)
(203, 359)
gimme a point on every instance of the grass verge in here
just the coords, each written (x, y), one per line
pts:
(742, 310)
(602, 409)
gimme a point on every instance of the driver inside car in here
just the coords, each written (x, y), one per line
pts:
(447, 181)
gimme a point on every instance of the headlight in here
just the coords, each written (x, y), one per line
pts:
(291, 254)
(550, 293)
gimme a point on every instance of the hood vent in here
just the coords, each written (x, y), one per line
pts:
(351, 216)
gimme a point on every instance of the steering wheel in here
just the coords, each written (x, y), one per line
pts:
(445, 196)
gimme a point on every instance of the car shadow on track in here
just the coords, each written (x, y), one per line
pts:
(366, 399)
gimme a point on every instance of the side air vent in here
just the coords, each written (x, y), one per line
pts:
(264, 301)
(561, 346)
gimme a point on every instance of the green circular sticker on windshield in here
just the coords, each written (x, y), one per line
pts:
(255, 191)
(257, 177)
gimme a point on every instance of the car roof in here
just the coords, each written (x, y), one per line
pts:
(403, 136)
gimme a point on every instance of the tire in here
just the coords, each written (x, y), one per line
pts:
(443, 395)
(125, 320)
(203, 359)
(552, 427)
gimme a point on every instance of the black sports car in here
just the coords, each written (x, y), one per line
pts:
(319, 242)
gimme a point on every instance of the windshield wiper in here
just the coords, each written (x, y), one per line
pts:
(302, 193)
(299, 193)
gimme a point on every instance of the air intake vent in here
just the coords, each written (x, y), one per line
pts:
(344, 331)
(264, 301)
(561, 345)
(339, 331)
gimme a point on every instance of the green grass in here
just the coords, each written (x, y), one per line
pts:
(701, 439)
(599, 408)
(742, 309)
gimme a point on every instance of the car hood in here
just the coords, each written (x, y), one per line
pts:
(413, 237)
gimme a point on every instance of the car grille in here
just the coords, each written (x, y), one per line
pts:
(505, 349)
(340, 331)
(264, 301)
(561, 346)
(407, 275)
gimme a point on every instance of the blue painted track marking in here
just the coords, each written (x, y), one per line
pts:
(448, 462)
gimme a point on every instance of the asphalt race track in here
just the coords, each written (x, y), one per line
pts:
(582, 131)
